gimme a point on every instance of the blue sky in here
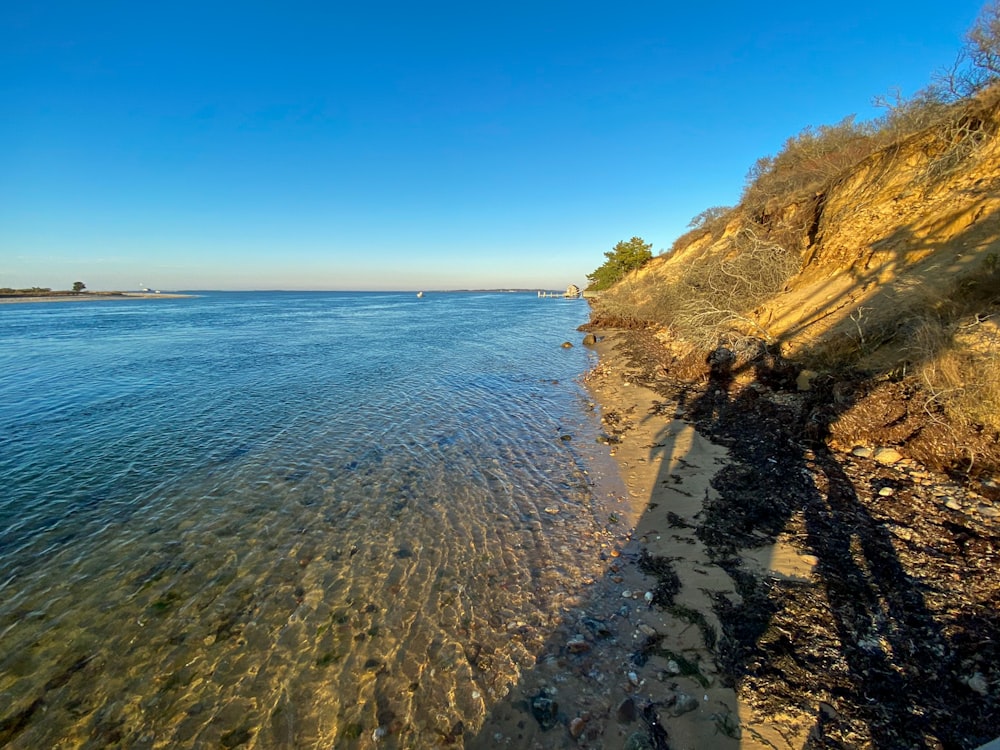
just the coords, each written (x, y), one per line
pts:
(389, 145)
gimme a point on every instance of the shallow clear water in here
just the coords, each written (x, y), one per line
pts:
(285, 519)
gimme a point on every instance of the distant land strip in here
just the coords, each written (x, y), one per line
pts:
(86, 296)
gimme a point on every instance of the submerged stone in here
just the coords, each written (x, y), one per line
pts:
(627, 712)
(598, 627)
(638, 741)
(545, 710)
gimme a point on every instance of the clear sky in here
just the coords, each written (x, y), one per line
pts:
(404, 145)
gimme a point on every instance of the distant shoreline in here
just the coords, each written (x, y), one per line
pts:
(88, 297)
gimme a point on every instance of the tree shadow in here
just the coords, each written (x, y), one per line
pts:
(860, 645)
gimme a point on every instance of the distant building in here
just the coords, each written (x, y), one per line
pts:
(572, 292)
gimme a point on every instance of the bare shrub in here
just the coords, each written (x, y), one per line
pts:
(621, 305)
(817, 155)
(807, 161)
(711, 217)
(904, 117)
(961, 138)
(982, 47)
(983, 39)
(976, 68)
(714, 296)
(977, 64)
(709, 223)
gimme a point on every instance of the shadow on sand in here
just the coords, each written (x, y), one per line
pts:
(806, 599)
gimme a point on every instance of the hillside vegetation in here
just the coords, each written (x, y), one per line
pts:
(864, 258)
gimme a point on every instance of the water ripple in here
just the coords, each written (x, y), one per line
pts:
(283, 518)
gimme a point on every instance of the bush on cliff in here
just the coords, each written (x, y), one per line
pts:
(621, 259)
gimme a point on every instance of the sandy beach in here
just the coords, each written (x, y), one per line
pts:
(635, 666)
(668, 467)
(770, 590)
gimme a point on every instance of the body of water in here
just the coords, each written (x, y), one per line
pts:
(286, 519)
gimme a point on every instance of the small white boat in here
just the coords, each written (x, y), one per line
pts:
(420, 294)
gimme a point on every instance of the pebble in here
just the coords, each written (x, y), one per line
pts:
(804, 380)
(988, 511)
(862, 452)
(978, 683)
(953, 504)
(887, 456)
(576, 727)
(597, 627)
(626, 594)
(683, 704)
(886, 492)
(905, 534)
(577, 645)
(633, 678)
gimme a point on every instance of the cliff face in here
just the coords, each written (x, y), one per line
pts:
(902, 229)
(894, 276)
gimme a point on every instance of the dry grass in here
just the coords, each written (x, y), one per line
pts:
(956, 344)
(960, 371)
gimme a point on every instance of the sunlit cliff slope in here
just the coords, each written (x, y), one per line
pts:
(863, 261)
